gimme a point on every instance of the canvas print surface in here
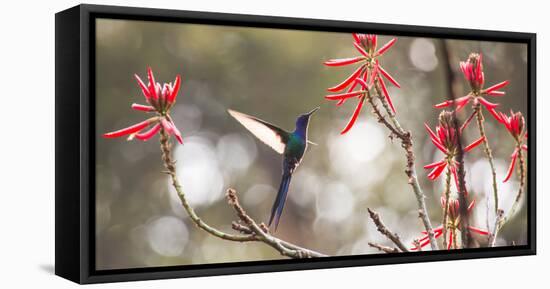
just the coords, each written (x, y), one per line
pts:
(223, 144)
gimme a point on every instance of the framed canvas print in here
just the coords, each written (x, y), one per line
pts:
(193, 144)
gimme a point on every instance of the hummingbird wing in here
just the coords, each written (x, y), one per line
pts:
(269, 134)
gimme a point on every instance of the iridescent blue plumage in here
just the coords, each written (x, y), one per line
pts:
(292, 145)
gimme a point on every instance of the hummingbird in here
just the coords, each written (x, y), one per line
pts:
(292, 145)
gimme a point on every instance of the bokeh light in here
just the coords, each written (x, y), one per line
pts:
(277, 74)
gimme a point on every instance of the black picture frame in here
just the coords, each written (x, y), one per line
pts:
(75, 138)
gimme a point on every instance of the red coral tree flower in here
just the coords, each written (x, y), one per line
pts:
(160, 99)
(472, 69)
(453, 225)
(367, 74)
(515, 124)
(445, 138)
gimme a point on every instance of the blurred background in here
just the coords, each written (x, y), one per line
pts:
(275, 75)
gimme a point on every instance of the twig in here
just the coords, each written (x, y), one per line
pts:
(380, 117)
(446, 209)
(241, 228)
(385, 231)
(410, 170)
(417, 245)
(251, 232)
(383, 248)
(522, 176)
(282, 246)
(487, 196)
(487, 149)
(493, 235)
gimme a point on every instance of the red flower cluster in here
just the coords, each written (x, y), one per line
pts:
(453, 224)
(367, 74)
(446, 136)
(515, 124)
(473, 72)
(160, 98)
(446, 140)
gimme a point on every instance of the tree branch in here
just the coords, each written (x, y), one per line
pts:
(383, 248)
(247, 233)
(262, 234)
(385, 231)
(410, 169)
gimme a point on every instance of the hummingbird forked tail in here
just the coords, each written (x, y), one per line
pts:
(278, 205)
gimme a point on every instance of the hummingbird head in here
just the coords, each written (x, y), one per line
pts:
(303, 120)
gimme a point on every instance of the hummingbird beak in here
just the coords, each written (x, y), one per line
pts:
(312, 111)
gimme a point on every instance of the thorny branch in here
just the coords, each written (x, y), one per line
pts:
(249, 231)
